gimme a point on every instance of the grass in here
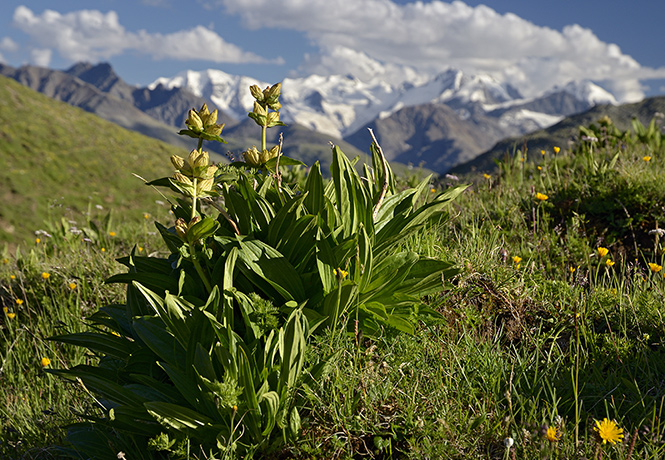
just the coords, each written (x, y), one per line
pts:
(57, 160)
(539, 330)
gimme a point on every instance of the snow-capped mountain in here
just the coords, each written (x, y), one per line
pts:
(340, 105)
(438, 122)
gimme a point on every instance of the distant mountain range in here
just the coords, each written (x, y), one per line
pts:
(438, 124)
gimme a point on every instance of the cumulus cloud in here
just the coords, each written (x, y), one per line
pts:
(41, 56)
(431, 37)
(7, 44)
(90, 35)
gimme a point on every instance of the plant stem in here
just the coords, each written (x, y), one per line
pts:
(264, 144)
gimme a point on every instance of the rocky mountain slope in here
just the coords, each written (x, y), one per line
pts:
(437, 123)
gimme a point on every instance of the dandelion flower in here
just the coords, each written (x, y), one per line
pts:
(647, 158)
(19, 301)
(432, 190)
(11, 315)
(12, 277)
(37, 240)
(140, 248)
(572, 269)
(46, 275)
(539, 168)
(542, 152)
(45, 362)
(103, 249)
(609, 262)
(553, 435)
(146, 216)
(72, 286)
(557, 149)
(487, 176)
(541, 196)
(517, 259)
(655, 267)
(602, 252)
(111, 234)
(608, 431)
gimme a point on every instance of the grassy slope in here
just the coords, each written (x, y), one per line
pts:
(53, 155)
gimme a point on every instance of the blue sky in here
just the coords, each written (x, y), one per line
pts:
(531, 44)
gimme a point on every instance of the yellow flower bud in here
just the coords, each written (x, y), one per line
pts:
(209, 172)
(272, 153)
(273, 117)
(252, 156)
(259, 109)
(256, 92)
(182, 179)
(201, 160)
(177, 162)
(211, 119)
(181, 227)
(214, 130)
(194, 121)
(203, 113)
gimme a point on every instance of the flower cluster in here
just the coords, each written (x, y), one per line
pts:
(195, 175)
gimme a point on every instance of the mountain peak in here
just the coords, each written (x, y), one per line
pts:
(586, 90)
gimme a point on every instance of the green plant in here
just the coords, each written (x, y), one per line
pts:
(209, 348)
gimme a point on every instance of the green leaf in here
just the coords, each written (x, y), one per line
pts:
(107, 344)
(182, 419)
(202, 229)
(283, 161)
(162, 342)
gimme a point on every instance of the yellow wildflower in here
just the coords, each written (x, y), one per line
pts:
(19, 301)
(140, 248)
(111, 234)
(146, 216)
(5, 309)
(609, 262)
(37, 240)
(655, 267)
(46, 275)
(72, 286)
(539, 168)
(432, 190)
(517, 259)
(647, 158)
(557, 149)
(45, 362)
(541, 196)
(11, 315)
(553, 435)
(602, 252)
(12, 277)
(341, 273)
(608, 431)
(572, 269)
(5, 261)
(103, 249)
(542, 152)
(487, 176)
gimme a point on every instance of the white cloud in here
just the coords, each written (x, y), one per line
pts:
(433, 36)
(41, 56)
(90, 35)
(7, 44)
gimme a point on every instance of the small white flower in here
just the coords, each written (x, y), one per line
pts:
(508, 442)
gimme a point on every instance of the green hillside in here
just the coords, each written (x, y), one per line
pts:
(58, 160)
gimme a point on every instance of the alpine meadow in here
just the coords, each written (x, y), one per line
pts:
(159, 304)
